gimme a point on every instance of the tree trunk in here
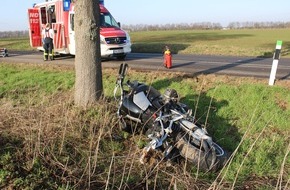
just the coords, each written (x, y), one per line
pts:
(88, 68)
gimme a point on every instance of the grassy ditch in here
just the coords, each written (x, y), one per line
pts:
(48, 143)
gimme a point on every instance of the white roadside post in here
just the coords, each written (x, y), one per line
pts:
(276, 58)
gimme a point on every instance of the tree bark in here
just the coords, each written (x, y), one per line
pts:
(88, 68)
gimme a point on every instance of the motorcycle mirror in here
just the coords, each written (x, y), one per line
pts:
(121, 68)
(124, 69)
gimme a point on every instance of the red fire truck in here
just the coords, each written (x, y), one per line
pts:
(115, 42)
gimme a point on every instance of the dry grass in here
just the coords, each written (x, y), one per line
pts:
(84, 149)
(53, 144)
(81, 148)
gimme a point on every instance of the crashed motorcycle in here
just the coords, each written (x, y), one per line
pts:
(168, 124)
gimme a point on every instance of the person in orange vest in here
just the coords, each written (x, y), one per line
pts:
(167, 58)
(47, 36)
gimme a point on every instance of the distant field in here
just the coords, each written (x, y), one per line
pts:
(214, 42)
(210, 42)
(15, 43)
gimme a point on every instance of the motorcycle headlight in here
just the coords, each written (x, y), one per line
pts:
(171, 94)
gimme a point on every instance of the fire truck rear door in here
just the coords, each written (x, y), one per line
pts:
(34, 28)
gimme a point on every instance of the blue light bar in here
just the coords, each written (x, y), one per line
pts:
(66, 5)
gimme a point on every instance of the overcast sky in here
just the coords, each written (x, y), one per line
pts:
(13, 13)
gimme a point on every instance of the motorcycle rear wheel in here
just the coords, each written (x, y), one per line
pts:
(211, 160)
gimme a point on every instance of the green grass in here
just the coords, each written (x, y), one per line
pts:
(54, 144)
(22, 84)
(213, 42)
(236, 108)
(15, 43)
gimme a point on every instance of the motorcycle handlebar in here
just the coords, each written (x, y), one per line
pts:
(122, 73)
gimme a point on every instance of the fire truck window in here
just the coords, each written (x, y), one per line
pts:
(52, 14)
(106, 20)
(43, 15)
(72, 23)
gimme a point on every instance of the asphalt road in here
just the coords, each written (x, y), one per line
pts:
(190, 64)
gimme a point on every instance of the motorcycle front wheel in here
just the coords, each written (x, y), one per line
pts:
(211, 158)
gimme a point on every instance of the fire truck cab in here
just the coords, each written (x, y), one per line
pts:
(115, 42)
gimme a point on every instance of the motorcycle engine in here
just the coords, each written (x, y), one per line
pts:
(154, 130)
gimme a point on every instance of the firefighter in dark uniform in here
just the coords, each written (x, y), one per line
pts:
(47, 36)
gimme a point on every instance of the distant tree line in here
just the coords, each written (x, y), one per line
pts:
(206, 26)
(180, 26)
(258, 25)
